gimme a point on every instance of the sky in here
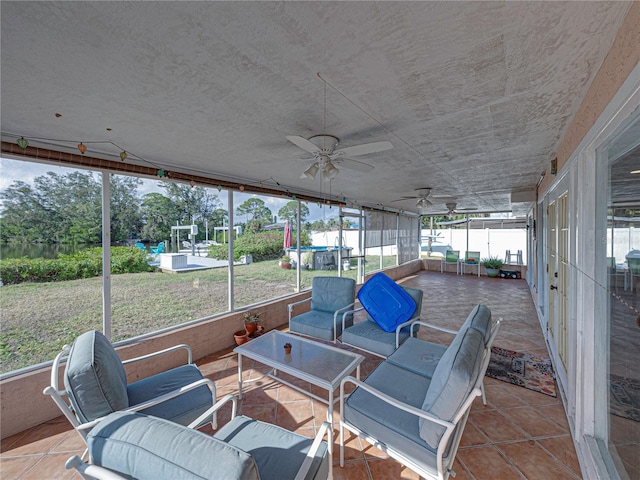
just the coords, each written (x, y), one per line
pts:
(14, 170)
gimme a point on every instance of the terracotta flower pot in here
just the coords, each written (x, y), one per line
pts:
(250, 327)
(241, 336)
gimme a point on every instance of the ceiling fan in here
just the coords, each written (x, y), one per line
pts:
(327, 159)
(422, 195)
(452, 210)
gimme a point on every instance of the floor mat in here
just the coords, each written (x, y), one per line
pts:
(624, 400)
(523, 369)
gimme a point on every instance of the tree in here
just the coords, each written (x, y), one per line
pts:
(191, 203)
(158, 216)
(126, 218)
(290, 212)
(260, 214)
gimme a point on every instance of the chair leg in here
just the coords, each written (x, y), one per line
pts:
(484, 397)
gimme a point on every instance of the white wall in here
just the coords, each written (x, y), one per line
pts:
(489, 242)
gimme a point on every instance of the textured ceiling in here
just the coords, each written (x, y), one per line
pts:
(474, 96)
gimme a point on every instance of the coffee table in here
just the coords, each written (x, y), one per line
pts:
(321, 365)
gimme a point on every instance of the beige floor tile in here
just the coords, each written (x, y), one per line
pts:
(534, 462)
(486, 463)
(532, 421)
(497, 427)
(563, 449)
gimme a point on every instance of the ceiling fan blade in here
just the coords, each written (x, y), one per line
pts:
(364, 149)
(404, 199)
(303, 143)
(353, 164)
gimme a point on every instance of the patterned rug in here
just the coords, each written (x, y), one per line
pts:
(624, 398)
(528, 371)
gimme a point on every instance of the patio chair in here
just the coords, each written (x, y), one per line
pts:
(450, 257)
(158, 249)
(141, 246)
(370, 337)
(471, 260)
(332, 300)
(95, 385)
(633, 261)
(129, 445)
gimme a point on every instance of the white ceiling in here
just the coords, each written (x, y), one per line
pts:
(474, 96)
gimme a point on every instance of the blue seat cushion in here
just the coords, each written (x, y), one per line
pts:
(479, 319)
(453, 380)
(318, 324)
(278, 453)
(148, 448)
(329, 294)
(183, 409)
(94, 377)
(418, 356)
(367, 335)
(396, 428)
(386, 302)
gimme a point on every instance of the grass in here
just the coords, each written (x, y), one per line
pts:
(38, 319)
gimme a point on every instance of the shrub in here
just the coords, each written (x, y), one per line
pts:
(83, 264)
(261, 245)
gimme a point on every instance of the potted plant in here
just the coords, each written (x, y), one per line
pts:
(287, 348)
(251, 320)
(492, 265)
(285, 261)
(305, 264)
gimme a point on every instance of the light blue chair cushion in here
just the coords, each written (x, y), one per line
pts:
(182, 409)
(480, 320)
(149, 448)
(329, 294)
(94, 377)
(317, 324)
(453, 380)
(396, 428)
(367, 335)
(418, 356)
(277, 452)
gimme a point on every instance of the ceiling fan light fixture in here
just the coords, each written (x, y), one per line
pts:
(423, 205)
(330, 171)
(310, 172)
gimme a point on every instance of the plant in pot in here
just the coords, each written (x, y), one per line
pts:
(251, 320)
(492, 265)
(285, 261)
(305, 263)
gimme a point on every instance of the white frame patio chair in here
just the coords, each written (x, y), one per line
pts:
(130, 445)
(95, 386)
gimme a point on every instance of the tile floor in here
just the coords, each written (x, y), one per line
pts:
(520, 434)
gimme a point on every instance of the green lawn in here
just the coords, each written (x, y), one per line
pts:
(37, 319)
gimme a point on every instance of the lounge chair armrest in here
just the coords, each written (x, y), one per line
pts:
(160, 399)
(411, 322)
(300, 302)
(359, 309)
(391, 401)
(435, 327)
(161, 352)
(87, 470)
(214, 408)
(325, 429)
